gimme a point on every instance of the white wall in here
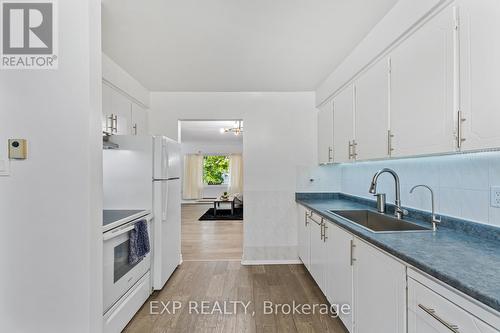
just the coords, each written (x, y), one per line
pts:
(280, 134)
(209, 148)
(461, 183)
(50, 205)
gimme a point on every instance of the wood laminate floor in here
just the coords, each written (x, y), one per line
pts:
(209, 240)
(214, 281)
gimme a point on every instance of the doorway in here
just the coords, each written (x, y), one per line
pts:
(212, 191)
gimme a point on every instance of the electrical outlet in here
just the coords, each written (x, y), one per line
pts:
(495, 196)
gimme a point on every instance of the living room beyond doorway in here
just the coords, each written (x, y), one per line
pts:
(212, 191)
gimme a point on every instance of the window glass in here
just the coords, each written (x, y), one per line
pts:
(216, 170)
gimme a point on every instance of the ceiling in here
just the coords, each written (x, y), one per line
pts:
(235, 45)
(209, 132)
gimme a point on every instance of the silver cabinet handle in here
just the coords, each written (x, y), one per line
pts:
(432, 313)
(352, 252)
(460, 120)
(114, 123)
(354, 149)
(306, 219)
(324, 227)
(110, 124)
(350, 150)
(330, 154)
(310, 218)
(389, 142)
(135, 129)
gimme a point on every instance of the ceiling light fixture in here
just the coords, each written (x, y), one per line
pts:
(237, 130)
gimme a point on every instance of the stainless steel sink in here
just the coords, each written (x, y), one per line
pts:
(379, 223)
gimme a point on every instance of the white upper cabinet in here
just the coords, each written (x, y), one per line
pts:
(372, 112)
(343, 126)
(120, 115)
(116, 111)
(480, 73)
(379, 291)
(422, 89)
(122, 108)
(107, 95)
(139, 121)
(325, 133)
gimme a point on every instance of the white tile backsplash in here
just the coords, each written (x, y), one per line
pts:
(461, 182)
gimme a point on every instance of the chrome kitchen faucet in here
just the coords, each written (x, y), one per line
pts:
(399, 212)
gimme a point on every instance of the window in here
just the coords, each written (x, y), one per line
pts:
(216, 170)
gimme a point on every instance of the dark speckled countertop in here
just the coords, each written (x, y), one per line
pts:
(462, 259)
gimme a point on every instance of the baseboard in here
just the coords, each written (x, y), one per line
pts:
(271, 262)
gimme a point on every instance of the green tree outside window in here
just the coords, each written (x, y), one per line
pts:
(215, 169)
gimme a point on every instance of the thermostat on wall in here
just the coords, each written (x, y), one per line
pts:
(18, 149)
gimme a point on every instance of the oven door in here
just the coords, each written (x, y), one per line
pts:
(119, 275)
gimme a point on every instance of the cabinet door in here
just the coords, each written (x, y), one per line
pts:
(107, 95)
(121, 106)
(339, 271)
(379, 291)
(480, 73)
(343, 125)
(139, 120)
(429, 312)
(422, 89)
(316, 254)
(303, 235)
(325, 133)
(372, 112)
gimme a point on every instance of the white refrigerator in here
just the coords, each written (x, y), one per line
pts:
(145, 173)
(166, 209)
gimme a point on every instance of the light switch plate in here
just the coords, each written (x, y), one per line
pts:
(495, 196)
(18, 149)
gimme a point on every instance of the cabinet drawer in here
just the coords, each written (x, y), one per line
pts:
(429, 312)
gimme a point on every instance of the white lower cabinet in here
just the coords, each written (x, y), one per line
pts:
(339, 271)
(304, 237)
(431, 312)
(317, 251)
(379, 291)
(384, 294)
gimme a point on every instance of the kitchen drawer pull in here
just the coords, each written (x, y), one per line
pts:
(310, 218)
(432, 313)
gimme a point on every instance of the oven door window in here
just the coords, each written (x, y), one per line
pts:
(121, 265)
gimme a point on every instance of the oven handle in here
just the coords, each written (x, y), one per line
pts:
(117, 232)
